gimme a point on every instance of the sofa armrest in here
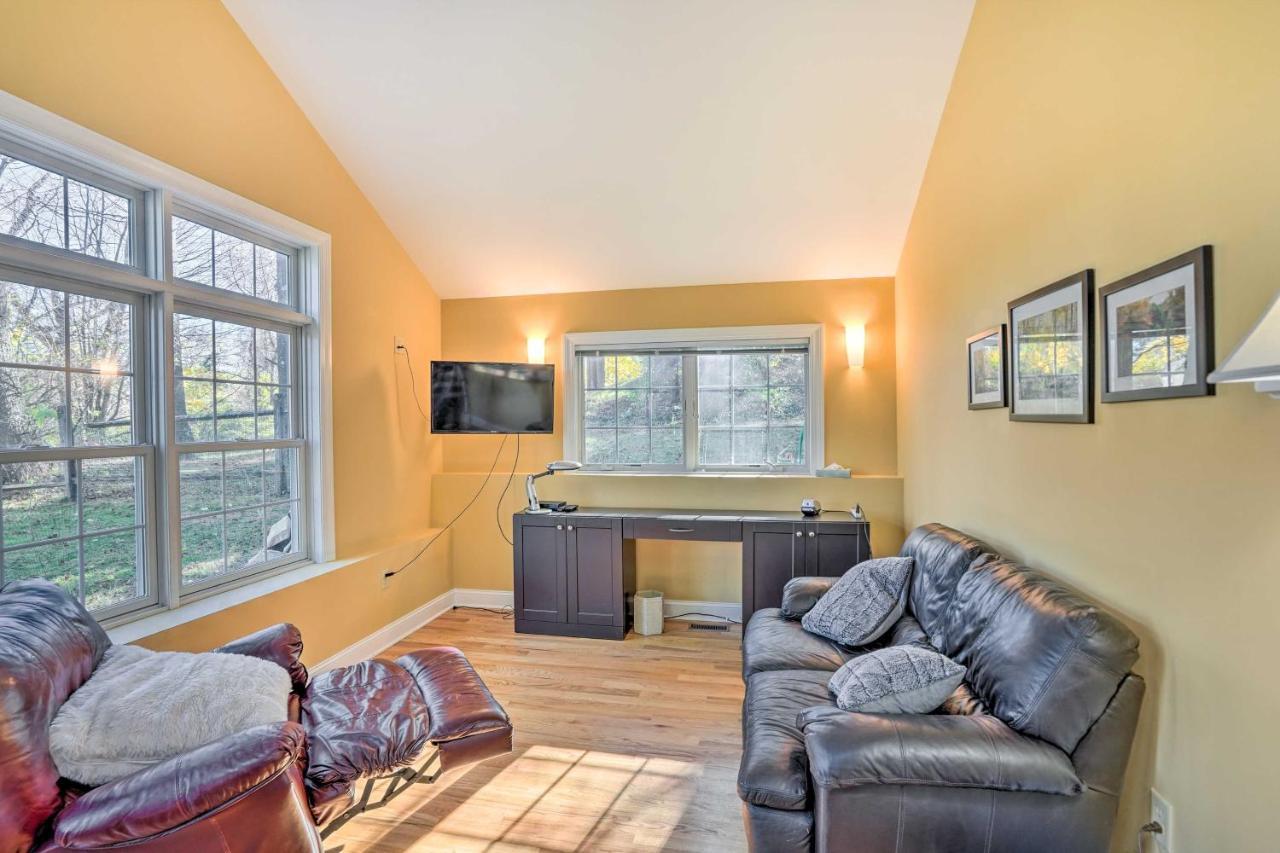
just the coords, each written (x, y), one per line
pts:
(281, 644)
(173, 793)
(800, 594)
(847, 750)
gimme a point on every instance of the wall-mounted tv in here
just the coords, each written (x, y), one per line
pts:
(491, 397)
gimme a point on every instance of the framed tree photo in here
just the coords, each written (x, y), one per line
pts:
(1051, 352)
(987, 387)
(1157, 331)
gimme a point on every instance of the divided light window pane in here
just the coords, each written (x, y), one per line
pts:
(66, 383)
(633, 409)
(51, 209)
(66, 369)
(751, 408)
(204, 255)
(233, 381)
(240, 510)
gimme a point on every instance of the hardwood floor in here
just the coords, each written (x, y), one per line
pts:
(619, 746)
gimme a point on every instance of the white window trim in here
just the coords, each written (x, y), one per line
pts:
(64, 141)
(737, 335)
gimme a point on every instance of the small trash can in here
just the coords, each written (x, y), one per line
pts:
(648, 612)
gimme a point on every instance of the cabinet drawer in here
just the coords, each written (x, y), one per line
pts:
(693, 529)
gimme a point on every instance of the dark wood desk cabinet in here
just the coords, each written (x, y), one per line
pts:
(573, 575)
(575, 572)
(774, 552)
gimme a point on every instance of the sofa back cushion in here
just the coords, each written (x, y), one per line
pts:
(49, 646)
(1040, 656)
(941, 556)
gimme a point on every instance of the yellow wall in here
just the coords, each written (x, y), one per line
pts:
(179, 81)
(1115, 135)
(860, 418)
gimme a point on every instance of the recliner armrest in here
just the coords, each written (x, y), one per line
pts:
(800, 594)
(167, 795)
(281, 644)
(847, 750)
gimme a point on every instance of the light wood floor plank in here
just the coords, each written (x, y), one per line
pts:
(619, 746)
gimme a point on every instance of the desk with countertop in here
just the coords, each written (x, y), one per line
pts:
(575, 572)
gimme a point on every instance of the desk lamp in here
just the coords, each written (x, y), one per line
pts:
(534, 507)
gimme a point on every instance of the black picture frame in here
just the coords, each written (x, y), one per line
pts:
(1200, 288)
(1001, 334)
(1083, 283)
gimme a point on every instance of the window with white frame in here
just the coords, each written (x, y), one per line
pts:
(157, 429)
(695, 400)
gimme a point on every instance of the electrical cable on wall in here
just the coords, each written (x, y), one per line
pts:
(413, 381)
(414, 385)
(497, 509)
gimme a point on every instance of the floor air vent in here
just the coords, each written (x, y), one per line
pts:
(702, 626)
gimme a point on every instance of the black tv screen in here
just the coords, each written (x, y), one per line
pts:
(491, 397)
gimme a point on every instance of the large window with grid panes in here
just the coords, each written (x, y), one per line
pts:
(742, 399)
(153, 446)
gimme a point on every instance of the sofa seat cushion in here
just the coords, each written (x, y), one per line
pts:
(775, 768)
(772, 642)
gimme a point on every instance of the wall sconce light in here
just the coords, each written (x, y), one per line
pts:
(1256, 359)
(855, 344)
(537, 350)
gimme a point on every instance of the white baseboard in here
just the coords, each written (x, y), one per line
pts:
(723, 609)
(495, 599)
(492, 598)
(388, 634)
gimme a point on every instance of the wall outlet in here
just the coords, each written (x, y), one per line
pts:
(1162, 813)
(399, 345)
(386, 581)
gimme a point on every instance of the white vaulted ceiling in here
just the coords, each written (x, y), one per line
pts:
(531, 146)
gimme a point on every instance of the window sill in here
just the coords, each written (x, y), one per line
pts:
(722, 475)
(127, 629)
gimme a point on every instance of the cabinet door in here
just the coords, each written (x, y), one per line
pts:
(769, 559)
(594, 548)
(831, 549)
(541, 593)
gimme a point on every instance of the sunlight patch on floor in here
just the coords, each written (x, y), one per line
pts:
(557, 799)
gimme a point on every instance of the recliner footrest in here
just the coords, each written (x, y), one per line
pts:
(376, 717)
(467, 723)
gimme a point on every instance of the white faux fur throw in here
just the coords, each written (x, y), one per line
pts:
(140, 707)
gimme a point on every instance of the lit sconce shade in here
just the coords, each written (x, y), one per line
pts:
(537, 350)
(855, 344)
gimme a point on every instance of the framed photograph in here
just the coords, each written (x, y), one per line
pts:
(1157, 331)
(1051, 353)
(987, 388)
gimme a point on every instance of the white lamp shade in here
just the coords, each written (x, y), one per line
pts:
(537, 350)
(1257, 357)
(855, 344)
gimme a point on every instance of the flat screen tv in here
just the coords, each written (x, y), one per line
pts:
(491, 397)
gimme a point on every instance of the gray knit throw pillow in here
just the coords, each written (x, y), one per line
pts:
(896, 680)
(863, 604)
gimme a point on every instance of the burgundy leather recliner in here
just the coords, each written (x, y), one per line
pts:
(269, 788)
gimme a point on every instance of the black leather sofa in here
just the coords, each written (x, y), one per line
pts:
(1028, 754)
